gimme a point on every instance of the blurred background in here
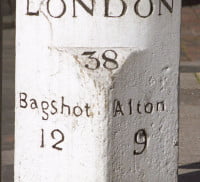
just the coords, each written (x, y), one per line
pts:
(189, 143)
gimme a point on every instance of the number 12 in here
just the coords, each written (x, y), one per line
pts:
(55, 146)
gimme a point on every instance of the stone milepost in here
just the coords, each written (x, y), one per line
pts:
(97, 90)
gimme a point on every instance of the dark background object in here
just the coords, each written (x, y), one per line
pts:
(190, 2)
(8, 7)
(1, 48)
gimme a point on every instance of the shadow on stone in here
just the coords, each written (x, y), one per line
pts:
(195, 165)
(190, 2)
(189, 177)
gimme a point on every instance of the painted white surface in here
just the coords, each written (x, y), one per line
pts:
(99, 144)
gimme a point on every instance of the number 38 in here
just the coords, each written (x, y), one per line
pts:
(109, 57)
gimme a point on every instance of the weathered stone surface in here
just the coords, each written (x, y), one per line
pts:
(96, 96)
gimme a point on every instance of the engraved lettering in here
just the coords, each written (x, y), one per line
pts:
(55, 146)
(149, 108)
(138, 107)
(42, 139)
(110, 61)
(64, 105)
(53, 135)
(62, 12)
(93, 59)
(33, 104)
(107, 8)
(45, 106)
(136, 8)
(87, 110)
(166, 4)
(160, 105)
(140, 139)
(89, 10)
(132, 107)
(31, 13)
(117, 108)
(77, 111)
(109, 57)
(23, 103)
(53, 107)
(53, 102)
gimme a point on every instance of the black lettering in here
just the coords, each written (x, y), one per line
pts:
(23, 100)
(140, 139)
(42, 141)
(136, 8)
(124, 9)
(117, 108)
(149, 108)
(138, 107)
(130, 107)
(31, 13)
(89, 10)
(55, 146)
(80, 111)
(45, 106)
(162, 105)
(63, 105)
(166, 4)
(33, 104)
(91, 57)
(54, 107)
(61, 14)
(110, 61)
(87, 110)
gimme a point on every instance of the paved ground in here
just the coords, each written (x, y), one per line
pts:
(189, 151)
(189, 160)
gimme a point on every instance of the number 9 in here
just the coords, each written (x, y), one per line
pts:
(141, 139)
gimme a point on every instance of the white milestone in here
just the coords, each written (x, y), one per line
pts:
(97, 90)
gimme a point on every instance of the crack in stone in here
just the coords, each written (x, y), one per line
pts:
(46, 17)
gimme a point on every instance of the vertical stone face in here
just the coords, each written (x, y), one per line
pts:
(96, 91)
